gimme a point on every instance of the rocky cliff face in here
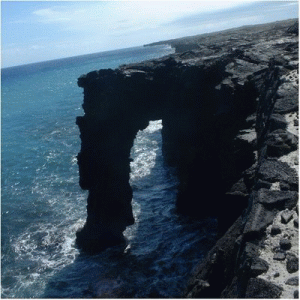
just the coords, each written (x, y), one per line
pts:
(223, 110)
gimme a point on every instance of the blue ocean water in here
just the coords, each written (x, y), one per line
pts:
(42, 205)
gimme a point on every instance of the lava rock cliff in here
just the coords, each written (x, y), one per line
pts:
(223, 105)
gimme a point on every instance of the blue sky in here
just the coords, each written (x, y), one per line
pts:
(35, 31)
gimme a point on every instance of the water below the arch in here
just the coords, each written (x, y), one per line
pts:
(43, 206)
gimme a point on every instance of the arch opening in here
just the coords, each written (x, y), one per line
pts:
(153, 183)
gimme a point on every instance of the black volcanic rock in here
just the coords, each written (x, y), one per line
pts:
(293, 281)
(292, 263)
(258, 219)
(265, 204)
(281, 142)
(286, 216)
(275, 230)
(259, 288)
(258, 266)
(285, 244)
(277, 199)
(273, 170)
(279, 256)
(294, 28)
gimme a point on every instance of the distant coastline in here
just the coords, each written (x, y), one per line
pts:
(194, 42)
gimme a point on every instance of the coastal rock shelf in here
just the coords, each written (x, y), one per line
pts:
(229, 110)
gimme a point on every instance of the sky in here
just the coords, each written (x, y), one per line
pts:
(33, 31)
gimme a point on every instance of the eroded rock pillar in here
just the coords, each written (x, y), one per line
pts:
(104, 167)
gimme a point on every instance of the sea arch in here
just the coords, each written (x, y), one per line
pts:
(201, 117)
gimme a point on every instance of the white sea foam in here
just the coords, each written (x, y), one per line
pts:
(144, 151)
(154, 126)
(45, 248)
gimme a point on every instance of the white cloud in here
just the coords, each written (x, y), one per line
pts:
(37, 47)
(136, 14)
(49, 15)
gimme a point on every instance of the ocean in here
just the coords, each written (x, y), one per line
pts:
(42, 205)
